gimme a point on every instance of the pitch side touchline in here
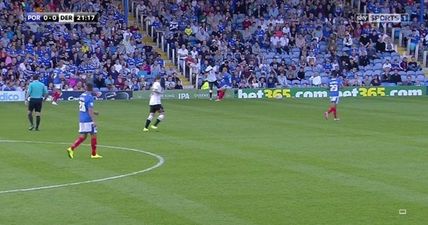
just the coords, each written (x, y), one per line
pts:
(160, 162)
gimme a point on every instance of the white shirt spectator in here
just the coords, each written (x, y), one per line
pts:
(347, 41)
(118, 67)
(182, 52)
(286, 30)
(194, 53)
(255, 84)
(316, 79)
(386, 65)
(22, 67)
(283, 41)
(169, 85)
(282, 80)
(274, 40)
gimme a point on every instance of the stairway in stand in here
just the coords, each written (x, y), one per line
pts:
(147, 40)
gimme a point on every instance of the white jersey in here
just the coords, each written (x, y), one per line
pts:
(212, 77)
(155, 97)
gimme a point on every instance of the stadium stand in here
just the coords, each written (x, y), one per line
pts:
(280, 43)
(66, 56)
(255, 39)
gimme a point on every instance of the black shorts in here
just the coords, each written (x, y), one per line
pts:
(211, 85)
(35, 104)
(156, 108)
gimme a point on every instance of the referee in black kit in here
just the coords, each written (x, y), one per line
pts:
(37, 93)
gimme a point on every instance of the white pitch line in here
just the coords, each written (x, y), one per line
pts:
(160, 162)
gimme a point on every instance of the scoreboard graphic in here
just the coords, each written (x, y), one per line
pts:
(81, 17)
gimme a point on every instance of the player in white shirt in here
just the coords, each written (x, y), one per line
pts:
(155, 105)
(212, 79)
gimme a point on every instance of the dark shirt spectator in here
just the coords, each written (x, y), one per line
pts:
(375, 81)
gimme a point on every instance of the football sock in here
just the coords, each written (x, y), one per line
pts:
(147, 123)
(334, 112)
(30, 118)
(221, 94)
(211, 94)
(159, 119)
(330, 110)
(94, 145)
(78, 141)
(37, 121)
(55, 97)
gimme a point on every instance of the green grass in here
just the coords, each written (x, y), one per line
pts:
(230, 163)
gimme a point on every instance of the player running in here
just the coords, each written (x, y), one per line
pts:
(212, 80)
(334, 85)
(155, 105)
(87, 123)
(226, 83)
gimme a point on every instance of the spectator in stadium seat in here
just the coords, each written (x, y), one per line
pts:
(396, 77)
(404, 64)
(169, 83)
(395, 65)
(352, 65)
(409, 81)
(380, 45)
(389, 46)
(387, 66)
(356, 81)
(272, 81)
(315, 79)
(282, 80)
(301, 73)
(413, 65)
(386, 76)
(364, 40)
(367, 80)
(375, 81)
(99, 82)
(347, 41)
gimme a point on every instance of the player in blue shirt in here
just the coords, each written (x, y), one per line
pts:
(334, 86)
(87, 124)
(225, 83)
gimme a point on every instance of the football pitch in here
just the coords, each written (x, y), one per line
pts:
(236, 162)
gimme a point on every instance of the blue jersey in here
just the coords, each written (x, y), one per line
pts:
(86, 102)
(334, 87)
(227, 80)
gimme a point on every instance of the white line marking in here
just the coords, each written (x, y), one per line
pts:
(160, 162)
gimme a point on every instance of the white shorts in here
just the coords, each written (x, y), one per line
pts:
(334, 100)
(88, 127)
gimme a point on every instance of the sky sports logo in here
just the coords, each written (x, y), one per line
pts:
(383, 18)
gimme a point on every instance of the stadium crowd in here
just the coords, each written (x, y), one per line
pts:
(66, 56)
(261, 43)
(281, 43)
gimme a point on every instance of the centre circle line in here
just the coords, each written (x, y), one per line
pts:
(160, 162)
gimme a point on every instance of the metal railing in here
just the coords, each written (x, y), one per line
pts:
(159, 38)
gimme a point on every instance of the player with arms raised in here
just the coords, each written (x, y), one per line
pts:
(155, 105)
(334, 85)
(87, 123)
